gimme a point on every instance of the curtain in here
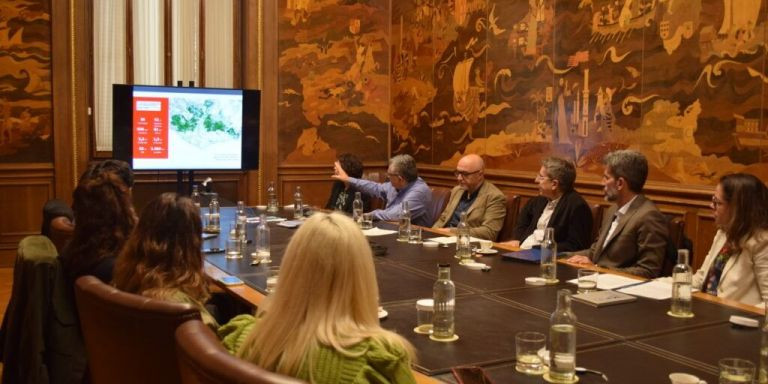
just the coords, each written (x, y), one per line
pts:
(186, 41)
(148, 42)
(109, 64)
(219, 43)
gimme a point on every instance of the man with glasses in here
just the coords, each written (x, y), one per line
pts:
(404, 185)
(635, 239)
(558, 206)
(484, 203)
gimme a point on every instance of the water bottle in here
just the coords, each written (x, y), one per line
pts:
(195, 196)
(562, 340)
(549, 256)
(241, 220)
(357, 210)
(681, 287)
(214, 222)
(298, 204)
(463, 246)
(262, 252)
(763, 374)
(404, 231)
(271, 198)
(444, 297)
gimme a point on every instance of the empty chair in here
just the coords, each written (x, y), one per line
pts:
(440, 196)
(513, 208)
(40, 338)
(203, 360)
(129, 338)
(677, 240)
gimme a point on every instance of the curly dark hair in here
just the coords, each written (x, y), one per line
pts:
(351, 165)
(163, 254)
(104, 218)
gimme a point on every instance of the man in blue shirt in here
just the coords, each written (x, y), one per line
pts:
(404, 185)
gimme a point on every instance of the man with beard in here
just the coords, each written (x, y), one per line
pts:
(484, 203)
(635, 239)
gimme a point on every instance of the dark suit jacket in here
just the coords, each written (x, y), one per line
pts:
(638, 244)
(572, 221)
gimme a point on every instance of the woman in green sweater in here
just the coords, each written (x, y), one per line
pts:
(162, 258)
(321, 324)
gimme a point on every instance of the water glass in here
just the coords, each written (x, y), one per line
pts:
(415, 236)
(736, 371)
(527, 346)
(367, 221)
(424, 311)
(587, 280)
(234, 247)
(272, 275)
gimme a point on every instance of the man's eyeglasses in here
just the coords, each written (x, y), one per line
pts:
(392, 174)
(464, 174)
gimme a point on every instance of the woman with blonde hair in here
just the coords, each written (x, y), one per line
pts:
(321, 324)
(162, 257)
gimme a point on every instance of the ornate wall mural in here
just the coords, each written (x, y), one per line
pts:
(681, 81)
(25, 81)
(334, 80)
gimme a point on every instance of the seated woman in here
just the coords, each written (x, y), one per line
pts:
(342, 195)
(321, 324)
(104, 217)
(736, 266)
(163, 258)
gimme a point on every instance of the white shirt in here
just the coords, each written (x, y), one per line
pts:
(537, 236)
(616, 217)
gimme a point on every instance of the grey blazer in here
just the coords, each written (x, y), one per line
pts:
(638, 244)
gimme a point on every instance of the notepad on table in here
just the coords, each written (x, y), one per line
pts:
(603, 298)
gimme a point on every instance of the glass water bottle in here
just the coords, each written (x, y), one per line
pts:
(214, 216)
(404, 230)
(681, 287)
(262, 252)
(549, 256)
(444, 297)
(271, 198)
(357, 209)
(195, 195)
(463, 246)
(562, 340)
(298, 203)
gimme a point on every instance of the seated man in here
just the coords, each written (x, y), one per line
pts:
(635, 240)
(484, 203)
(558, 206)
(404, 185)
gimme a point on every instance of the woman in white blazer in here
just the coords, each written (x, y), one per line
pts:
(736, 266)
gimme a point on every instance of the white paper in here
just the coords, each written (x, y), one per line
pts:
(450, 239)
(375, 231)
(289, 223)
(654, 289)
(270, 219)
(610, 281)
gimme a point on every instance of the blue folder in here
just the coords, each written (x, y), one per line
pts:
(525, 255)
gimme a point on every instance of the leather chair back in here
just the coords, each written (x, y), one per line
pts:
(513, 208)
(203, 360)
(677, 240)
(129, 338)
(376, 176)
(440, 197)
(597, 221)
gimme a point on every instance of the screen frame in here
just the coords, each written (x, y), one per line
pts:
(122, 125)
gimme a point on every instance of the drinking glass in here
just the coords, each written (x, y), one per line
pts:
(272, 275)
(415, 236)
(587, 280)
(527, 346)
(367, 222)
(736, 371)
(234, 243)
(424, 310)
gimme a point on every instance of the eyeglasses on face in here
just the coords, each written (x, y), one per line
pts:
(717, 202)
(464, 174)
(392, 174)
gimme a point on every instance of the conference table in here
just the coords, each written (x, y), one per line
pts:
(631, 343)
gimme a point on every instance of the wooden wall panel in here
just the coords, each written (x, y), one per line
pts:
(24, 192)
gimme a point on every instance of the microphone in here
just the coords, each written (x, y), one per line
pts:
(207, 184)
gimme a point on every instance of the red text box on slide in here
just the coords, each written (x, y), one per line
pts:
(150, 128)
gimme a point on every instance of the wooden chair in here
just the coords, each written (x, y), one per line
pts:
(203, 360)
(440, 197)
(129, 338)
(597, 220)
(677, 240)
(513, 208)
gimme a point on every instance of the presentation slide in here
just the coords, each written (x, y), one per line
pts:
(187, 128)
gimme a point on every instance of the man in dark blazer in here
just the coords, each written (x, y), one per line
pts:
(486, 205)
(634, 240)
(558, 206)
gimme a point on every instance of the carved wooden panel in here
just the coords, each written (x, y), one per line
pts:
(23, 197)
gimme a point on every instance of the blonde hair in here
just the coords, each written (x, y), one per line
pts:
(327, 295)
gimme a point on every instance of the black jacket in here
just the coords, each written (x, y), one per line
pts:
(572, 220)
